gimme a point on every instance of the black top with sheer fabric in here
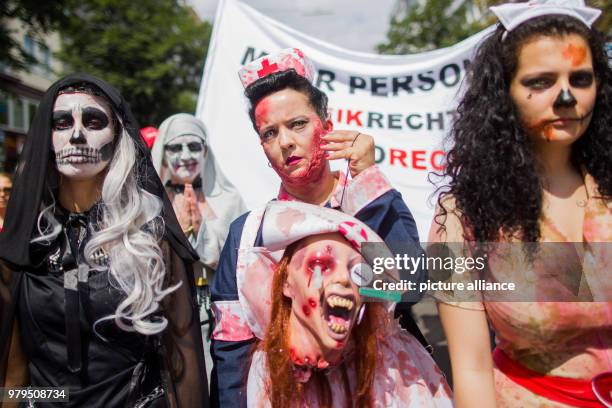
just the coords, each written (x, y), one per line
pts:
(110, 358)
(109, 365)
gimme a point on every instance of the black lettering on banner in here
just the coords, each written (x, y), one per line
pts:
(401, 83)
(413, 125)
(377, 83)
(439, 120)
(326, 77)
(356, 82)
(427, 81)
(455, 77)
(379, 154)
(394, 121)
(375, 117)
(249, 55)
(453, 114)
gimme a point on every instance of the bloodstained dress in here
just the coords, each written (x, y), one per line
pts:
(568, 340)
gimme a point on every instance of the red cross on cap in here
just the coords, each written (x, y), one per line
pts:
(267, 68)
(353, 233)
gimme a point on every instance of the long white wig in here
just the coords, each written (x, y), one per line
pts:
(130, 234)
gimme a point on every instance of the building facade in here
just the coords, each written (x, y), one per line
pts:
(21, 91)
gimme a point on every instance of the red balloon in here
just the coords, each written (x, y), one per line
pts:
(149, 134)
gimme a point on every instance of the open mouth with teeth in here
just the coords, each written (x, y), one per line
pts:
(338, 313)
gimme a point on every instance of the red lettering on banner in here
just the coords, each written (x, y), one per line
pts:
(397, 154)
(418, 159)
(434, 163)
(350, 116)
(418, 156)
(339, 120)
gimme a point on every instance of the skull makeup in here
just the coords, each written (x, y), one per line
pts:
(82, 134)
(184, 156)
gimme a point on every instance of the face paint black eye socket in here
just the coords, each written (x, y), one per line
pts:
(581, 79)
(62, 120)
(173, 148)
(538, 83)
(195, 147)
(94, 119)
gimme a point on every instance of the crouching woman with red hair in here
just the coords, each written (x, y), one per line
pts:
(319, 341)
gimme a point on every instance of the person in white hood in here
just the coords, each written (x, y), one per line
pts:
(204, 200)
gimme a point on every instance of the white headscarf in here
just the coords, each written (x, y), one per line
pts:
(220, 193)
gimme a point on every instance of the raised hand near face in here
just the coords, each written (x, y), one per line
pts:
(356, 147)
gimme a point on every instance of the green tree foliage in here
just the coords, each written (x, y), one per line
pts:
(37, 17)
(433, 24)
(604, 23)
(152, 50)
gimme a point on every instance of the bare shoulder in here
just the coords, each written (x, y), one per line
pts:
(447, 225)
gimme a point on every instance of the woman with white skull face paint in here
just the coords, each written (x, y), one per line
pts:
(204, 200)
(97, 285)
(82, 135)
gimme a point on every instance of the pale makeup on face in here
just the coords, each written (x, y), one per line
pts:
(82, 135)
(324, 301)
(554, 88)
(290, 133)
(184, 157)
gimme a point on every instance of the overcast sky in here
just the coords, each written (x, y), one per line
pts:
(358, 25)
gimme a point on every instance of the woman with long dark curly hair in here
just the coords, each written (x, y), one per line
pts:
(532, 163)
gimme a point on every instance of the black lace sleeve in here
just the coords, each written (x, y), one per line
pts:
(185, 375)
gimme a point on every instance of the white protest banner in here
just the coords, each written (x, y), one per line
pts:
(405, 102)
